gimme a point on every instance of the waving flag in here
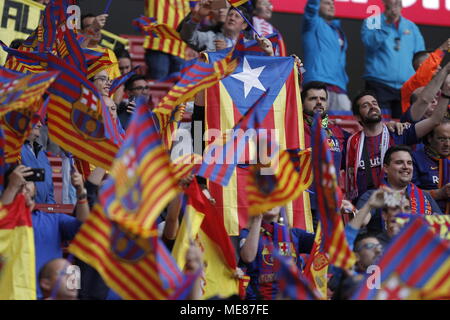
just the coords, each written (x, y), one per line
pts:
(78, 119)
(194, 78)
(237, 3)
(293, 285)
(17, 262)
(170, 13)
(281, 114)
(23, 90)
(22, 100)
(266, 191)
(334, 240)
(2, 160)
(415, 265)
(134, 267)
(185, 165)
(206, 226)
(96, 61)
(141, 182)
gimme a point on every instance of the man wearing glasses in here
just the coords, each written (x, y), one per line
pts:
(390, 42)
(136, 86)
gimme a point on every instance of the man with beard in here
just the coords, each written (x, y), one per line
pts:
(398, 166)
(432, 165)
(367, 148)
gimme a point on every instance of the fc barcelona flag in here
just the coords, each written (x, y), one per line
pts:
(168, 12)
(78, 119)
(415, 265)
(18, 91)
(281, 113)
(334, 241)
(141, 182)
(134, 267)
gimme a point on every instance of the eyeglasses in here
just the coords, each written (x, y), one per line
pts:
(141, 88)
(103, 79)
(370, 246)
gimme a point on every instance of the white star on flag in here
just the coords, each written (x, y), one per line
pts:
(250, 78)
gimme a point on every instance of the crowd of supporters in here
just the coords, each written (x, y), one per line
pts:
(388, 167)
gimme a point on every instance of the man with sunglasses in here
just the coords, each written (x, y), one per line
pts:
(135, 87)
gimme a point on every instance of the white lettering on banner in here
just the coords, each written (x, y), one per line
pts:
(354, 1)
(447, 5)
(374, 21)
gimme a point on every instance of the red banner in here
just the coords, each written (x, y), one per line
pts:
(428, 12)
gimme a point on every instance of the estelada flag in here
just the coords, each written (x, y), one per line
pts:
(141, 182)
(229, 100)
(134, 267)
(202, 223)
(17, 257)
(170, 13)
(415, 265)
(335, 244)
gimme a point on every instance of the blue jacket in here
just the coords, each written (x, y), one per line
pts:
(44, 189)
(383, 63)
(324, 59)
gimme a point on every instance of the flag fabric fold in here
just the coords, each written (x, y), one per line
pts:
(141, 182)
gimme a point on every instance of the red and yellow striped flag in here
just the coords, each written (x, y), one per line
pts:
(266, 191)
(170, 13)
(17, 257)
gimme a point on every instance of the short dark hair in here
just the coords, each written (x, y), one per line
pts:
(355, 104)
(129, 83)
(418, 55)
(245, 13)
(317, 85)
(122, 53)
(361, 236)
(84, 16)
(394, 149)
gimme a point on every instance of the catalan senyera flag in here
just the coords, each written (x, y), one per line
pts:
(2, 159)
(96, 61)
(141, 182)
(170, 13)
(205, 225)
(282, 184)
(17, 257)
(334, 241)
(134, 267)
(227, 102)
(150, 27)
(168, 124)
(414, 266)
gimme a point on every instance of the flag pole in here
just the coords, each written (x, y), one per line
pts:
(248, 22)
(107, 6)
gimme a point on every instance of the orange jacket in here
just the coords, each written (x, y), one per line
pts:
(423, 75)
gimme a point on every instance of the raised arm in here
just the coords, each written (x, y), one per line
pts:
(428, 94)
(311, 15)
(425, 126)
(373, 38)
(250, 247)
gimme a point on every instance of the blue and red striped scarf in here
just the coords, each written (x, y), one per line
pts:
(418, 202)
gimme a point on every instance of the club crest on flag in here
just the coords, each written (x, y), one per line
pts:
(127, 182)
(394, 289)
(86, 117)
(18, 120)
(127, 247)
(320, 261)
(267, 256)
(13, 90)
